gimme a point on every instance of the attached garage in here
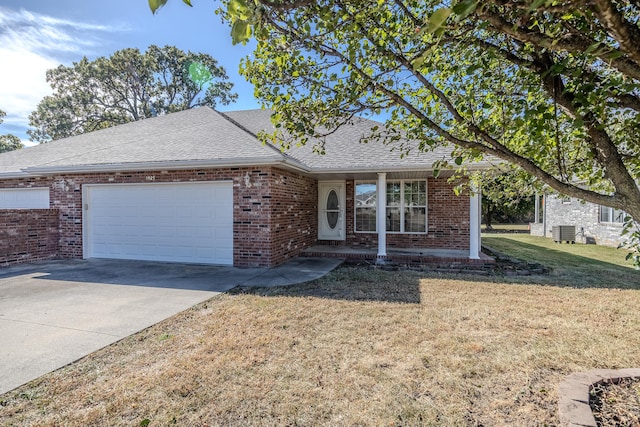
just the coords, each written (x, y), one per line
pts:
(175, 222)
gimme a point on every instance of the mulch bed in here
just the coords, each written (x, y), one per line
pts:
(617, 405)
(504, 265)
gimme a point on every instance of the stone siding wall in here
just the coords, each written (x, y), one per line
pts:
(28, 235)
(583, 215)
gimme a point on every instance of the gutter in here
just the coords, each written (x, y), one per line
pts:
(374, 169)
(161, 165)
(283, 161)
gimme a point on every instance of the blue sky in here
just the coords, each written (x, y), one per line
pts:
(36, 35)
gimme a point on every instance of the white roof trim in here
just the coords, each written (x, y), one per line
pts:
(204, 164)
(408, 168)
(163, 165)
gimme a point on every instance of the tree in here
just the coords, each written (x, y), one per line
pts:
(551, 86)
(507, 194)
(127, 86)
(9, 142)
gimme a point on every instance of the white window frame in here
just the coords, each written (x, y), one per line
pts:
(355, 207)
(25, 198)
(402, 206)
(611, 212)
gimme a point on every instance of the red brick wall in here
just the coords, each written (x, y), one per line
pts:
(251, 208)
(275, 211)
(28, 235)
(252, 241)
(447, 221)
(294, 220)
(272, 218)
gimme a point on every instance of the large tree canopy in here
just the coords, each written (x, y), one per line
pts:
(127, 86)
(9, 142)
(549, 86)
(507, 195)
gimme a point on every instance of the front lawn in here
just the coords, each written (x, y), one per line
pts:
(572, 265)
(357, 347)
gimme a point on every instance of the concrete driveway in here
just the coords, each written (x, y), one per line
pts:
(53, 313)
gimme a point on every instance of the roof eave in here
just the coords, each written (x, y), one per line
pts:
(370, 169)
(10, 175)
(164, 165)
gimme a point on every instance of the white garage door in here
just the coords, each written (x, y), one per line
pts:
(179, 222)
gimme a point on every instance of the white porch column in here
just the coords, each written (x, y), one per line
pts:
(474, 223)
(381, 215)
(537, 209)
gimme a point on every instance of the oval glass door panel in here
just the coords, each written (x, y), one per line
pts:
(332, 209)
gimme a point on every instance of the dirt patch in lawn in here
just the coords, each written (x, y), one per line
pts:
(358, 347)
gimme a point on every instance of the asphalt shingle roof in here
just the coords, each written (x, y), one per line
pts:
(202, 137)
(343, 149)
(199, 134)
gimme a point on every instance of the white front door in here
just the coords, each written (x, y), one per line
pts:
(331, 210)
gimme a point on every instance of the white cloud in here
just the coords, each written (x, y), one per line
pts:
(30, 44)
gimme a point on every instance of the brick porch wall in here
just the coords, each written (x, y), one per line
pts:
(447, 221)
(28, 235)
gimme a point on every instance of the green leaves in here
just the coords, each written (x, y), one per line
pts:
(464, 8)
(241, 17)
(240, 32)
(9, 142)
(154, 5)
(437, 19)
(127, 86)
(199, 74)
(238, 10)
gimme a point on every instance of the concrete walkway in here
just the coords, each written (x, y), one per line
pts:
(53, 313)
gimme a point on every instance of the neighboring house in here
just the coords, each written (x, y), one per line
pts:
(593, 223)
(198, 186)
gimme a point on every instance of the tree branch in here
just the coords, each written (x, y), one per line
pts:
(568, 43)
(625, 33)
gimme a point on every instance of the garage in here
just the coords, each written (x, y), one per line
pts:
(176, 222)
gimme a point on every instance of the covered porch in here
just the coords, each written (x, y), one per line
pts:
(422, 220)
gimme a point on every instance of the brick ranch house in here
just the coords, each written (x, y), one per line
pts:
(198, 186)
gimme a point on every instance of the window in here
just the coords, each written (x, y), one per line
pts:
(365, 204)
(406, 206)
(608, 214)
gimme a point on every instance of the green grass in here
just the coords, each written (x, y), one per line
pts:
(575, 265)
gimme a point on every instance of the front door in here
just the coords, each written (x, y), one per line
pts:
(331, 204)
